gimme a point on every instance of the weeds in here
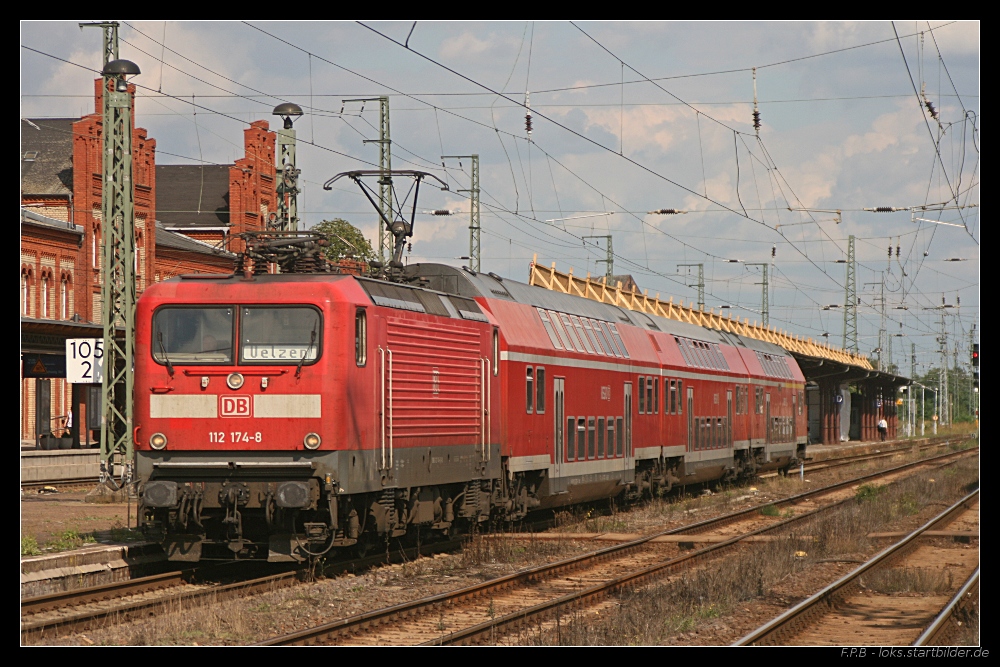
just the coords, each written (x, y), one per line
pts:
(908, 580)
(507, 549)
(908, 505)
(29, 546)
(869, 492)
(770, 510)
(70, 539)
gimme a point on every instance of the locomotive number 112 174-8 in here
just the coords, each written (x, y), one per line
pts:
(234, 436)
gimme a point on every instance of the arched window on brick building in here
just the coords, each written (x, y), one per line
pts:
(26, 282)
(66, 285)
(94, 245)
(44, 310)
(45, 295)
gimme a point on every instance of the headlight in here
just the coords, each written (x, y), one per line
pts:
(157, 441)
(234, 381)
(312, 441)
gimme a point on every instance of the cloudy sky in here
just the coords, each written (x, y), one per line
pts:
(627, 118)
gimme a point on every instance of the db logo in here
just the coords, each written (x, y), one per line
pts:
(234, 406)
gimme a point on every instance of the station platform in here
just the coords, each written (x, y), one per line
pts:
(38, 465)
(817, 452)
(88, 566)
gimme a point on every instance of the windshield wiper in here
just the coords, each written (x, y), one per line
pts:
(163, 350)
(312, 339)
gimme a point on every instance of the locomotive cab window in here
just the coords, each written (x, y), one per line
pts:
(496, 352)
(279, 334)
(193, 335)
(360, 337)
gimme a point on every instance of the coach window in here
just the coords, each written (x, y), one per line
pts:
(529, 379)
(680, 395)
(581, 440)
(591, 433)
(600, 437)
(581, 332)
(496, 351)
(540, 382)
(618, 339)
(650, 406)
(561, 334)
(571, 333)
(612, 345)
(544, 315)
(611, 437)
(593, 337)
(619, 436)
(656, 394)
(570, 438)
(360, 337)
(642, 395)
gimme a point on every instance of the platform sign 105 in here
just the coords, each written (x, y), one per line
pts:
(84, 360)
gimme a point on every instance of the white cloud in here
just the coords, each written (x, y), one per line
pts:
(468, 46)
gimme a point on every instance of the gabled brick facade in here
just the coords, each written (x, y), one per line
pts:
(251, 183)
(62, 245)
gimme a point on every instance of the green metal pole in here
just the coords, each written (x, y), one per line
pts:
(288, 181)
(851, 301)
(765, 315)
(385, 237)
(701, 283)
(474, 218)
(118, 288)
(609, 261)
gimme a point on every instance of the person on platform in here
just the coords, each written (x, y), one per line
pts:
(883, 428)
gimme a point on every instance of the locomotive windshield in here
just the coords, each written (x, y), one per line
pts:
(193, 335)
(275, 335)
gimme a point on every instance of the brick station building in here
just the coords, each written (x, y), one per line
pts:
(186, 218)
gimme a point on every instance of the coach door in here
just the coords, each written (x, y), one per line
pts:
(629, 459)
(767, 418)
(729, 418)
(559, 437)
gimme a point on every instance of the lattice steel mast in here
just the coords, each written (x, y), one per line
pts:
(474, 220)
(118, 286)
(851, 301)
(609, 261)
(701, 283)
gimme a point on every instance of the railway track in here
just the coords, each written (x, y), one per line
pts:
(74, 611)
(852, 612)
(490, 610)
(81, 609)
(960, 611)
